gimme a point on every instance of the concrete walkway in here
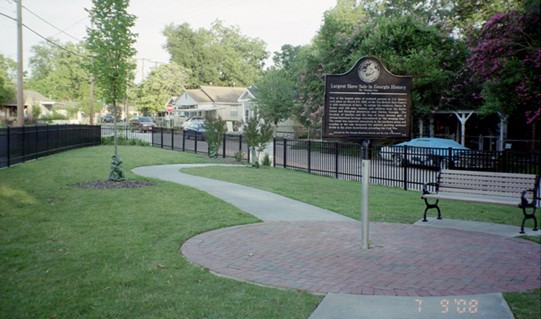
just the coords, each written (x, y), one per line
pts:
(433, 270)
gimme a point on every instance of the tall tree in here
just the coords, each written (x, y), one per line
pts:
(275, 96)
(326, 55)
(110, 43)
(220, 55)
(7, 86)
(405, 45)
(58, 71)
(506, 60)
(160, 85)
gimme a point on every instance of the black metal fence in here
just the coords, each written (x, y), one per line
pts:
(407, 167)
(20, 144)
(178, 140)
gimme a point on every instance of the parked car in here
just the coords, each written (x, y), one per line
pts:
(144, 124)
(425, 151)
(108, 118)
(192, 120)
(195, 130)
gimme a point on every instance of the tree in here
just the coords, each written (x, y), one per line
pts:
(110, 43)
(326, 55)
(405, 45)
(275, 96)
(7, 86)
(506, 61)
(257, 134)
(457, 17)
(215, 128)
(221, 55)
(162, 83)
(58, 71)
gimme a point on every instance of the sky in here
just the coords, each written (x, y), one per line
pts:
(276, 22)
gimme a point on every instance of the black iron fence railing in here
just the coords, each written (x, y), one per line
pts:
(232, 145)
(405, 167)
(20, 144)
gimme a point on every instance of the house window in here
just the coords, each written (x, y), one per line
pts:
(234, 111)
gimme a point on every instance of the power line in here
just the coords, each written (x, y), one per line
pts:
(43, 37)
(62, 31)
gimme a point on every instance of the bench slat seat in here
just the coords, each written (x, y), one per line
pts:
(521, 190)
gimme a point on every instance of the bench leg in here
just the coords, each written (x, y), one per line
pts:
(528, 216)
(430, 206)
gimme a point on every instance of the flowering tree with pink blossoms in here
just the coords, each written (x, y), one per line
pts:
(506, 60)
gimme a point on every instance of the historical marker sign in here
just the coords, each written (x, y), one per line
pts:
(368, 102)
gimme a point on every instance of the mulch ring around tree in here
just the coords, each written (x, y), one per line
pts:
(113, 184)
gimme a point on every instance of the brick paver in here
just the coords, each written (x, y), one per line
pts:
(405, 260)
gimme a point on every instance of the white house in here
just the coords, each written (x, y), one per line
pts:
(247, 101)
(32, 100)
(212, 100)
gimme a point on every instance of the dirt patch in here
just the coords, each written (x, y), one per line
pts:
(112, 184)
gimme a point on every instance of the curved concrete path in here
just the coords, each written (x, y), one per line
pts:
(412, 271)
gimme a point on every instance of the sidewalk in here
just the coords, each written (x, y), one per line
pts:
(411, 272)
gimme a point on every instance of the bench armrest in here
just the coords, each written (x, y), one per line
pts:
(425, 187)
(524, 200)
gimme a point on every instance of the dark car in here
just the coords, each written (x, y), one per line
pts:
(195, 131)
(144, 124)
(108, 118)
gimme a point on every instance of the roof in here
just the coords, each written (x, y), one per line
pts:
(223, 94)
(198, 95)
(30, 97)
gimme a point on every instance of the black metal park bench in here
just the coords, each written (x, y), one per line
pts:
(509, 189)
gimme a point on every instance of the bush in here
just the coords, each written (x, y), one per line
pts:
(121, 140)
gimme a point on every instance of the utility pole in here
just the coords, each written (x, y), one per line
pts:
(91, 101)
(20, 88)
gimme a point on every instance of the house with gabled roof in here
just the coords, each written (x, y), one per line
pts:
(34, 103)
(210, 100)
(247, 101)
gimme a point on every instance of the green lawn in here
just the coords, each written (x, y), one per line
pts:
(387, 204)
(77, 253)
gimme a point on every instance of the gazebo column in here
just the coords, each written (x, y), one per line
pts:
(503, 131)
(463, 117)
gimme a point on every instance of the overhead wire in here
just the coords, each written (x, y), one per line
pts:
(50, 24)
(43, 37)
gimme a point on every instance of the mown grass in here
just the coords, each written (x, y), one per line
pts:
(67, 252)
(387, 204)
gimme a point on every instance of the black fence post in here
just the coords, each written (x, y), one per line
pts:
(273, 151)
(223, 146)
(309, 157)
(405, 165)
(285, 153)
(336, 157)
(172, 139)
(161, 137)
(240, 143)
(47, 140)
(183, 139)
(36, 140)
(24, 143)
(8, 146)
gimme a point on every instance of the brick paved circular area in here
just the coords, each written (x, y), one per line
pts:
(405, 260)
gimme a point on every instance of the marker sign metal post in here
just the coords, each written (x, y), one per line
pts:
(367, 102)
